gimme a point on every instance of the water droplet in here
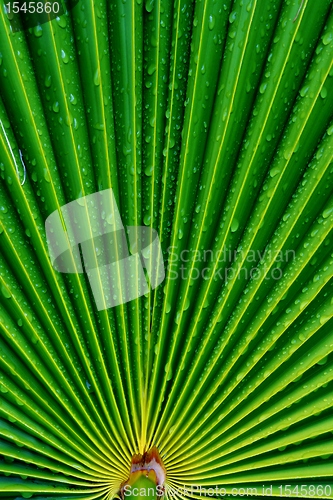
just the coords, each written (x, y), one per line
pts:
(72, 99)
(48, 81)
(149, 171)
(323, 319)
(187, 304)
(26, 494)
(80, 199)
(97, 77)
(304, 90)
(232, 17)
(327, 212)
(263, 87)
(287, 154)
(38, 31)
(64, 56)
(47, 175)
(56, 107)
(211, 22)
(234, 225)
(151, 69)
(327, 38)
(98, 126)
(147, 219)
(146, 252)
(69, 120)
(61, 21)
(275, 171)
(5, 292)
(149, 5)
(110, 219)
(3, 389)
(126, 150)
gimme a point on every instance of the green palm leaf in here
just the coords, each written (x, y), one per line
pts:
(211, 122)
